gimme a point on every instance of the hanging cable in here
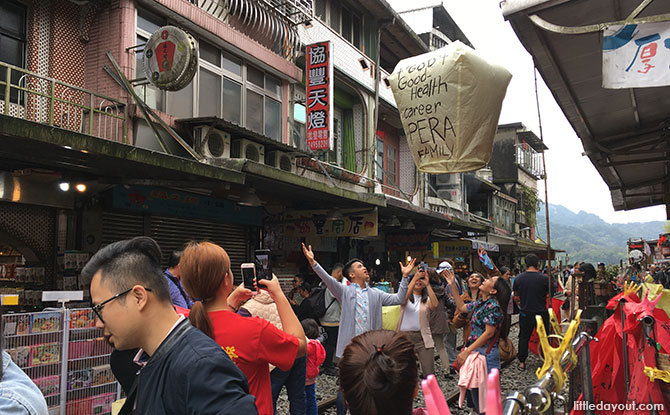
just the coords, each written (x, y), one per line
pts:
(546, 191)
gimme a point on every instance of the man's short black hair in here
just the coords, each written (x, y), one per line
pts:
(306, 286)
(338, 265)
(532, 260)
(173, 261)
(131, 262)
(347, 267)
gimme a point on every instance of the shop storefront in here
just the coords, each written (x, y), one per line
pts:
(173, 218)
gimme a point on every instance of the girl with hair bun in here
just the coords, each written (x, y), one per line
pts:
(379, 374)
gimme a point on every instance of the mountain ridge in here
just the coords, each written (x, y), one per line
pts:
(587, 237)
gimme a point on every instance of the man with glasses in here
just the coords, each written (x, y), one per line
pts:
(183, 370)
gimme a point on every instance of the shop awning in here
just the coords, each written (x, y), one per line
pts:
(624, 131)
(25, 144)
(442, 226)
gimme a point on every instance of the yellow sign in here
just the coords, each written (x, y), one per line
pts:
(9, 299)
(314, 223)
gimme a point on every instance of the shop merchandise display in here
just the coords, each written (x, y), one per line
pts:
(36, 342)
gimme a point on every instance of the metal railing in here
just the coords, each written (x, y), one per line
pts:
(46, 100)
(529, 160)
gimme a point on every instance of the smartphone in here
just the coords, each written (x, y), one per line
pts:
(248, 275)
(263, 266)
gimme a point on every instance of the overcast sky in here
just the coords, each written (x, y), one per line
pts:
(573, 181)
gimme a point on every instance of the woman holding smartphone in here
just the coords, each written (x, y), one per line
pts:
(414, 321)
(486, 324)
(251, 343)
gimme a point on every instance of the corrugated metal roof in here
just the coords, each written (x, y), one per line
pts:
(625, 132)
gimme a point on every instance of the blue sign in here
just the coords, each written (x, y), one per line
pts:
(172, 202)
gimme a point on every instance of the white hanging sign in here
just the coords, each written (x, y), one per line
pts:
(636, 56)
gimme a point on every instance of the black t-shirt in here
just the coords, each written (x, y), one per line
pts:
(532, 289)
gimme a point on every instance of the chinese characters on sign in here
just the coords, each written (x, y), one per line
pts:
(408, 242)
(636, 56)
(314, 223)
(319, 104)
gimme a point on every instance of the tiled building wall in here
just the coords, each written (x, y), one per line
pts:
(112, 29)
(67, 63)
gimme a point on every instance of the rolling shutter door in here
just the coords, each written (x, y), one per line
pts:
(119, 226)
(172, 233)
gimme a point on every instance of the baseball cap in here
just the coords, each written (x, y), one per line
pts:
(444, 265)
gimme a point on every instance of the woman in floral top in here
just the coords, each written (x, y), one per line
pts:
(487, 320)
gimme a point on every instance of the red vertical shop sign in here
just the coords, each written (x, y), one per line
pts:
(319, 96)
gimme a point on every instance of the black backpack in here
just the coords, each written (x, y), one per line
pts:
(317, 301)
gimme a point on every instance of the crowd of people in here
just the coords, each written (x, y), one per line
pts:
(187, 340)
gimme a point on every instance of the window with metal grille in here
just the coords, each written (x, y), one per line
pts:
(12, 44)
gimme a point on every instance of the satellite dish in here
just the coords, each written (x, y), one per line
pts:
(170, 58)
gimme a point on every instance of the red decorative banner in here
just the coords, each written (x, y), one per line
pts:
(319, 105)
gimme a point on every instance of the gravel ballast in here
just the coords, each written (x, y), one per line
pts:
(512, 378)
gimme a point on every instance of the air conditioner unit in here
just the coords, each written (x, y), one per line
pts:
(446, 179)
(216, 144)
(247, 149)
(282, 160)
(453, 195)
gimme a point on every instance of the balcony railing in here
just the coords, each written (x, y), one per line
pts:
(32, 97)
(529, 160)
(272, 23)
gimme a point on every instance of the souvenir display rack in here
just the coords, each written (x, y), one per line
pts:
(66, 357)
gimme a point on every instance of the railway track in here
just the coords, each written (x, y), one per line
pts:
(452, 398)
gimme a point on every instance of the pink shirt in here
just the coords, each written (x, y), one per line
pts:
(473, 374)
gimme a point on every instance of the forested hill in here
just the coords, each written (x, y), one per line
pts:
(586, 237)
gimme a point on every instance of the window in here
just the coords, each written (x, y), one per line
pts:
(12, 42)
(386, 150)
(210, 94)
(380, 160)
(238, 92)
(391, 165)
(299, 129)
(232, 110)
(341, 19)
(225, 86)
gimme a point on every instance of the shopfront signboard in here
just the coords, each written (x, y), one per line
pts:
(636, 55)
(449, 102)
(319, 96)
(454, 248)
(175, 203)
(314, 223)
(170, 58)
(406, 241)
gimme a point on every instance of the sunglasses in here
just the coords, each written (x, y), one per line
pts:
(97, 309)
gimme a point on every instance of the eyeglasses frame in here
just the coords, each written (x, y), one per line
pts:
(98, 307)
